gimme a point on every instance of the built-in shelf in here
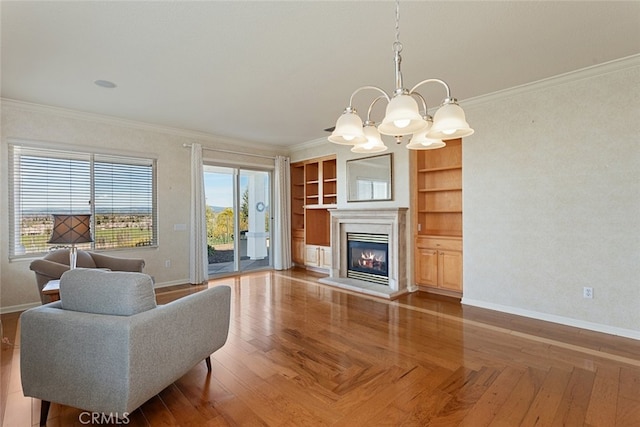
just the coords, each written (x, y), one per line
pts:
(438, 219)
(441, 168)
(315, 184)
(429, 190)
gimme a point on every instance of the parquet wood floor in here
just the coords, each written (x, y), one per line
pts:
(301, 353)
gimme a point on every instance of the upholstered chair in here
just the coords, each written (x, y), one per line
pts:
(56, 262)
(106, 347)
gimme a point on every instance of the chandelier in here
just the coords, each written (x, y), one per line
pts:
(402, 116)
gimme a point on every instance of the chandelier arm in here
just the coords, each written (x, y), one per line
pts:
(430, 81)
(371, 107)
(368, 87)
(422, 100)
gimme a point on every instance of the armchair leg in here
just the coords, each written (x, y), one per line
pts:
(44, 412)
(208, 362)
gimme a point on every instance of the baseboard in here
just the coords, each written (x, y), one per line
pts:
(171, 283)
(439, 291)
(597, 327)
(23, 307)
(19, 307)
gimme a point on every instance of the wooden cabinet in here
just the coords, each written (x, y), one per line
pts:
(437, 202)
(314, 190)
(439, 264)
(325, 257)
(297, 247)
(318, 256)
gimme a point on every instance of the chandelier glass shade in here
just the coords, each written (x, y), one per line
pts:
(420, 141)
(403, 115)
(373, 143)
(348, 129)
(449, 122)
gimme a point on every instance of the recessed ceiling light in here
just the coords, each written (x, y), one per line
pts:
(105, 83)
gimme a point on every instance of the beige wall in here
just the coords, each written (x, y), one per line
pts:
(22, 121)
(552, 199)
(551, 196)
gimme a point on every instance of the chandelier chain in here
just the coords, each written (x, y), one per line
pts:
(397, 46)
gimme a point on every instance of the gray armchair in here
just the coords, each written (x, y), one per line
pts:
(107, 347)
(56, 262)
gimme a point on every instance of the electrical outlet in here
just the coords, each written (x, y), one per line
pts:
(587, 292)
(167, 263)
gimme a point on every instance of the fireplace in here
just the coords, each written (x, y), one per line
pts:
(368, 257)
(385, 258)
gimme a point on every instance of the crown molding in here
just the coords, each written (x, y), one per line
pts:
(132, 124)
(560, 79)
(308, 144)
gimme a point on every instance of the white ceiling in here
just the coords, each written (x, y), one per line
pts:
(280, 72)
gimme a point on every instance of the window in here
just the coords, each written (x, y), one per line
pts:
(118, 192)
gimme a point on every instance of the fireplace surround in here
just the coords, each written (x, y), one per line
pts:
(390, 223)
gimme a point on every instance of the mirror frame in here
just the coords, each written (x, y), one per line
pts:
(386, 161)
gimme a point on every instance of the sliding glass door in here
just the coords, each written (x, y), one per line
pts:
(238, 219)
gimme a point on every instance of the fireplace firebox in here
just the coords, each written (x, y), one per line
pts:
(368, 257)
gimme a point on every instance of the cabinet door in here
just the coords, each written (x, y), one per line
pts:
(325, 255)
(297, 250)
(312, 255)
(450, 270)
(427, 267)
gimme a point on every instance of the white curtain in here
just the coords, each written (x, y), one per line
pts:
(282, 215)
(198, 260)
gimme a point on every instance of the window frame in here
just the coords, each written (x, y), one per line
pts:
(17, 148)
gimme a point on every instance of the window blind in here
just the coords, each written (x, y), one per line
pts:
(117, 191)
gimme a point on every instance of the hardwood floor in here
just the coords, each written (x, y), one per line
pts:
(302, 353)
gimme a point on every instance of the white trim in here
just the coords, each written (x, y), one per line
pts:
(62, 146)
(219, 150)
(560, 79)
(116, 121)
(597, 327)
(319, 142)
(19, 307)
(170, 283)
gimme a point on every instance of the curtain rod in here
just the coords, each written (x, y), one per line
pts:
(232, 152)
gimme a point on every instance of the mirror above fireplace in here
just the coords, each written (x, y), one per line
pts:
(369, 178)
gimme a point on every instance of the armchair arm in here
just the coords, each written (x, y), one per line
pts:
(117, 264)
(181, 334)
(50, 269)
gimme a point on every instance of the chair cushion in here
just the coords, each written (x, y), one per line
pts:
(106, 292)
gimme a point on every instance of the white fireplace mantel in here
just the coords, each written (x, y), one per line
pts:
(389, 221)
